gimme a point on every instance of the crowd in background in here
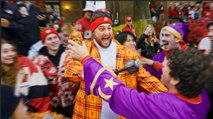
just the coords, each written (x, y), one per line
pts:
(34, 53)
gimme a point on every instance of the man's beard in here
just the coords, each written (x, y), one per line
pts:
(105, 46)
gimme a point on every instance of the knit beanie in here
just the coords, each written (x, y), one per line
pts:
(45, 32)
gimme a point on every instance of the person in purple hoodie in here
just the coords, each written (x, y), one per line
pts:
(185, 73)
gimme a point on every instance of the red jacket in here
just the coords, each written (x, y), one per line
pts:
(83, 25)
(131, 29)
(170, 11)
(32, 85)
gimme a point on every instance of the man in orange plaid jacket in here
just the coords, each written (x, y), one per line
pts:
(104, 49)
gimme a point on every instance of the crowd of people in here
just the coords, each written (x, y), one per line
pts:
(68, 70)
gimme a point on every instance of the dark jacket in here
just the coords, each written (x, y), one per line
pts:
(31, 33)
(9, 101)
(147, 50)
(54, 59)
(22, 31)
(11, 13)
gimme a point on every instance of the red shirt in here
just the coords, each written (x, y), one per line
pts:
(131, 29)
(170, 11)
(83, 25)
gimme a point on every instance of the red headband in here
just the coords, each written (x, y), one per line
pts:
(99, 21)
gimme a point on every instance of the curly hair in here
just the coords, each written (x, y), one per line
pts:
(192, 69)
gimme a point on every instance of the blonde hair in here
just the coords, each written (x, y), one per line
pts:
(153, 31)
(9, 73)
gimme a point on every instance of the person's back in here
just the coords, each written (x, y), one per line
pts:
(31, 33)
(11, 22)
(30, 79)
(12, 106)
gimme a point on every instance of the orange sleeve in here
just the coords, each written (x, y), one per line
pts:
(73, 70)
(149, 83)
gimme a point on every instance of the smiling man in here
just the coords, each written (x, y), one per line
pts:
(51, 62)
(104, 49)
(173, 37)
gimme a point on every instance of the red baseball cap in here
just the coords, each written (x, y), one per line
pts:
(128, 18)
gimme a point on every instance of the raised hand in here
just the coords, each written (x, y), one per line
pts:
(78, 52)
